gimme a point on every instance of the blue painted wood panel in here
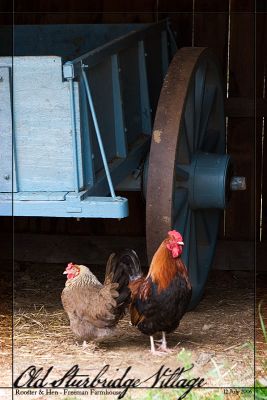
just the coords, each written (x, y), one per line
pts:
(125, 78)
(5, 131)
(42, 124)
(91, 207)
(130, 86)
(100, 81)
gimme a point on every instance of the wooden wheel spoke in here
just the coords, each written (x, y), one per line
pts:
(189, 119)
(180, 201)
(203, 227)
(209, 99)
(187, 237)
(200, 81)
(211, 140)
(181, 173)
(193, 262)
(184, 150)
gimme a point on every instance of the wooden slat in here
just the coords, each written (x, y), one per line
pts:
(128, 17)
(211, 30)
(261, 5)
(6, 6)
(120, 11)
(135, 7)
(261, 42)
(181, 24)
(264, 188)
(261, 65)
(244, 107)
(243, 6)
(6, 18)
(174, 6)
(211, 6)
(240, 217)
(229, 255)
(57, 18)
(45, 6)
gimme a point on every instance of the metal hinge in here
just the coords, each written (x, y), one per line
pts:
(68, 70)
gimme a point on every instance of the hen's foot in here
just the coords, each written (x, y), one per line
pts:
(84, 345)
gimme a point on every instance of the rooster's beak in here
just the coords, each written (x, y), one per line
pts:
(181, 243)
(65, 272)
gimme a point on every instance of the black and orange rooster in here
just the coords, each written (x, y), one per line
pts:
(159, 300)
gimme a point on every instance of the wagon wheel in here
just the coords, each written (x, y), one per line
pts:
(188, 172)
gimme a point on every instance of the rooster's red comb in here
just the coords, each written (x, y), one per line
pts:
(176, 235)
(70, 265)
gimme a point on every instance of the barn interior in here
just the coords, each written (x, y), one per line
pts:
(224, 335)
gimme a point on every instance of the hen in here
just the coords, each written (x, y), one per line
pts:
(159, 300)
(94, 309)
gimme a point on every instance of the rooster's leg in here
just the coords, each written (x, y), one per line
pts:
(152, 344)
(164, 341)
(153, 350)
(163, 347)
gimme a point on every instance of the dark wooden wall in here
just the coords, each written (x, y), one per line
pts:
(237, 32)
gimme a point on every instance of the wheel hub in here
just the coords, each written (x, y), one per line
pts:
(208, 176)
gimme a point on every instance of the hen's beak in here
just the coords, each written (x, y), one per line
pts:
(65, 272)
(181, 243)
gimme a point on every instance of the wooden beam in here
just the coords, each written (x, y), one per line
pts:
(44, 248)
(245, 107)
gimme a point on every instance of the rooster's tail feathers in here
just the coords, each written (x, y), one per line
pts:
(132, 263)
(121, 269)
(126, 263)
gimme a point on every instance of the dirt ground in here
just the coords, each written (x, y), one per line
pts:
(6, 326)
(217, 336)
(260, 341)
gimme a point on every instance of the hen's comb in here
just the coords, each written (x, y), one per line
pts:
(70, 265)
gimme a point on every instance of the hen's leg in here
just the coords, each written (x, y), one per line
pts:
(84, 345)
(163, 347)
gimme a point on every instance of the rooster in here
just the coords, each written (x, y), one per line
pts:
(159, 300)
(94, 309)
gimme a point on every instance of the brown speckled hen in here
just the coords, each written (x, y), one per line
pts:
(93, 308)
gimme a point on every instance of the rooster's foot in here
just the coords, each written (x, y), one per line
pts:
(153, 350)
(164, 349)
(158, 353)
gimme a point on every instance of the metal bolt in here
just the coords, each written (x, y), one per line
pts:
(6, 177)
(125, 130)
(238, 183)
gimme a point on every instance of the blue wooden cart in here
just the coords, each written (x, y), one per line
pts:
(88, 103)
